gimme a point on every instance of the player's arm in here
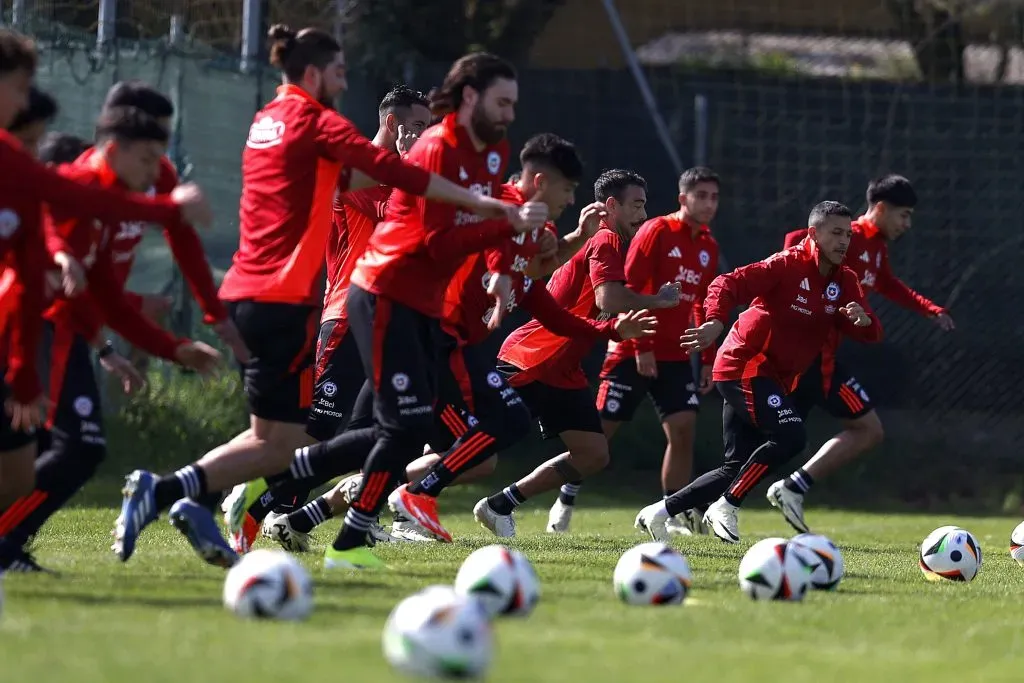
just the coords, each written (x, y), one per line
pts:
(794, 238)
(707, 356)
(608, 275)
(894, 289)
(855, 319)
(539, 302)
(187, 249)
(31, 259)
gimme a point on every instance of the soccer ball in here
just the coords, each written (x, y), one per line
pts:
(775, 569)
(502, 579)
(831, 568)
(951, 553)
(269, 584)
(1017, 544)
(439, 633)
(652, 574)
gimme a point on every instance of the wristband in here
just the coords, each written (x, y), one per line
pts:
(106, 350)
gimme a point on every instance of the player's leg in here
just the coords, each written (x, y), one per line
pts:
(776, 418)
(848, 402)
(278, 387)
(570, 414)
(77, 447)
(500, 420)
(740, 438)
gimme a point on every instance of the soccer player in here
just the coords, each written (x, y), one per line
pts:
(827, 383)
(545, 367)
(298, 153)
(130, 146)
(797, 298)
(61, 148)
(673, 248)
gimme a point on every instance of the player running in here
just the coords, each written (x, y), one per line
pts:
(545, 367)
(891, 202)
(797, 298)
(673, 248)
(299, 152)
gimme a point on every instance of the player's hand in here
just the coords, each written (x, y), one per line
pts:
(646, 365)
(155, 306)
(699, 338)
(529, 217)
(706, 384)
(500, 290)
(119, 366)
(406, 138)
(232, 338)
(198, 356)
(944, 322)
(669, 294)
(26, 417)
(195, 209)
(636, 324)
(72, 274)
(547, 245)
(855, 312)
(590, 218)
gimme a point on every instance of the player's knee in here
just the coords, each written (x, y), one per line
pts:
(869, 429)
(680, 429)
(585, 463)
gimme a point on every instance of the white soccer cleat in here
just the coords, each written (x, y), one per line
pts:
(652, 519)
(695, 522)
(409, 530)
(277, 528)
(229, 502)
(559, 518)
(790, 504)
(678, 525)
(502, 526)
(721, 518)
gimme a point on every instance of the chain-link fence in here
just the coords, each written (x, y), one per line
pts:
(792, 101)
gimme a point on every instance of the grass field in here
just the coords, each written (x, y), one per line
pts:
(159, 618)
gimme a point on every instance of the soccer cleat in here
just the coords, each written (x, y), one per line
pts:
(138, 510)
(653, 519)
(721, 519)
(678, 526)
(559, 518)
(353, 558)
(277, 528)
(421, 509)
(376, 533)
(405, 529)
(229, 500)
(502, 526)
(242, 527)
(695, 522)
(198, 526)
(790, 504)
(23, 563)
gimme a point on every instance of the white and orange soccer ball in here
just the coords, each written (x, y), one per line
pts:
(950, 553)
(652, 574)
(502, 579)
(830, 571)
(269, 584)
(775, 569)
(1017, 544)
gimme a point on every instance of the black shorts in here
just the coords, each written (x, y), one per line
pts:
(843, 399)
(338, 378)
(278, 379)
(623, 388)
(399, 349)
(754, 411)
(557, 410)
(76, 415)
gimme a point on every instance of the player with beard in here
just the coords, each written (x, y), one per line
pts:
(545, 368)
(403, 115)
(797, 298)
(827, 383)
(678, 247)
(299, 152)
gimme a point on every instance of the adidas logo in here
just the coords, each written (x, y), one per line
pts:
(675, 253)
(865, 258)
(805, 284)
(694, 401)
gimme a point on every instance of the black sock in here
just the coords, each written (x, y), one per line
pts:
(799, 482)
(188, 482)
(210, 500)
(311, 515)
(289, 506)
(567, 494)
(506, 500)
(274, 497)
(353, 531)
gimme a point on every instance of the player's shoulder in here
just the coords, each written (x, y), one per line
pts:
(80, 171)
(605, 237)
(168, 178)
(508, 192)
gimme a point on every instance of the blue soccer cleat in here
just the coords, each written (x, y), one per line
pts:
(197, 524)
(138, 510)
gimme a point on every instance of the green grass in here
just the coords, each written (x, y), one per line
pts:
(159, 617)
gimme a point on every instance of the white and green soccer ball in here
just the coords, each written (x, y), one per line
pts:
(1017, 544)
(437, 633)
(652, 574)
(502, 579)
(269, 584)
(950, 553)
(830, 571)
(775, 569)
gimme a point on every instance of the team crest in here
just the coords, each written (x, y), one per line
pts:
(832, 291)
(705, 258)
(494, 163)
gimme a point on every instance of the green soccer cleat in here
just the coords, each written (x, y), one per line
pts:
(242, 528)
(353, 558)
